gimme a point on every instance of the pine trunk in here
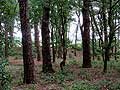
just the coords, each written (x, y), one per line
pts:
(86, 35)
(47, 65)
(28, 61)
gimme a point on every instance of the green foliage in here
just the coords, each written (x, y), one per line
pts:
(32, 87)
(86, 85)
(83, 85)
(9, 9)
(17, 73)
(16, 50)
(35, 11)
(97, 63)
(77, 46)
(59, 77)
(115, 86)
(47, 78)
(5, 78)
(85, 75)
(63, 76)
(73, 62)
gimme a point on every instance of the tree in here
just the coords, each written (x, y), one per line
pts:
(47, 65)
(63, 18)
(106, 26)
(37, 43)
(35, 13)
(86, 35)
(29, 76)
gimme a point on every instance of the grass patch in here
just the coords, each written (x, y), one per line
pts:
(83, 85)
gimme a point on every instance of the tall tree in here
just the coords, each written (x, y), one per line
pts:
(47, 65)
(86, 35)
(29, 76)
(35, 13)
(37, 43)
(53, 47)
(63, 34)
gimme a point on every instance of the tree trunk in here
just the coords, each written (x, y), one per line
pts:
(64, 40)
(29, 75)
(37, 43)
(60, 47)
(86, 35)
(115, 49)
(76, 41)
(93, 40)
(64, 34)
(47, 65)
(111, 35)
(53, 47)
(106, 59)
(6, 39)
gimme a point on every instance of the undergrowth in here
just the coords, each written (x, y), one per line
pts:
(69, 79)
(5, 77)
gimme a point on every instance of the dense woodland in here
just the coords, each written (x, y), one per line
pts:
(52, 61)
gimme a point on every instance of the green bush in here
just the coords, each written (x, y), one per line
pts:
(77, 47)
(5, 78)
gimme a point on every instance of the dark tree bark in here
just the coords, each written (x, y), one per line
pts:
(29, 76)
(37, 43)
(47, 65)
(64, 40)
(86, 35)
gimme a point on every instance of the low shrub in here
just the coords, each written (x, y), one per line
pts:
(5, 78)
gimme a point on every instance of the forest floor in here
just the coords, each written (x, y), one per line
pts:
(74, 77)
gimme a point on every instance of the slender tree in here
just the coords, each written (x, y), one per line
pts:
(37, 43)
(53, 46)
(63, 34)
(76, 32)
(29, 76)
